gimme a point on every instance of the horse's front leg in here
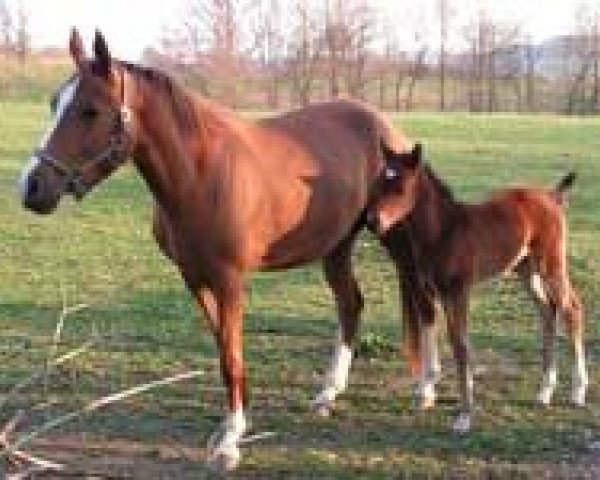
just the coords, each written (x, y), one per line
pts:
(223, 307)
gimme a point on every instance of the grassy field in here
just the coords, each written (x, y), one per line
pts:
(101, 253)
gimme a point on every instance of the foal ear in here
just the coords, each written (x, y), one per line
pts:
(388, 153)
(102, 54)
(76, 48)
(413, 159)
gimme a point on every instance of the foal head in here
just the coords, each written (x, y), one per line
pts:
(396, 194)
(90, 134)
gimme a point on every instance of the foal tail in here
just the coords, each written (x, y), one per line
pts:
(563, 186)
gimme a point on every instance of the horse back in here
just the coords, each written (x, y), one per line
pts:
(318, 168)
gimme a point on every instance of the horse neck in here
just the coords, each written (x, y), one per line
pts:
(170, 161)
(434, 216)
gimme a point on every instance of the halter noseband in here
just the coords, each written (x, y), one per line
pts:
(112, 155)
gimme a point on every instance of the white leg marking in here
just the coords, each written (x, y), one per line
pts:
(65, 98)
(336, 378)
(462, 423)
(580, 377)
(223, 453)
(430, 366)
(548, 385)
(537, 287)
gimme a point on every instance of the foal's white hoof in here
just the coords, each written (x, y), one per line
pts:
(223, 459)
(424, 402)
(462, 424)
(543, 400)
(578, 397)
(322, 407)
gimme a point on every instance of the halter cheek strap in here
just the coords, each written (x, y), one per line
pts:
(112, 155)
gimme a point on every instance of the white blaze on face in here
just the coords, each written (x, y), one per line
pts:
(65, 98)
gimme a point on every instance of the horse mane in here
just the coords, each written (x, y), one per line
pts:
(181, 102)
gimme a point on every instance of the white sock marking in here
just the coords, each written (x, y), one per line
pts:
(580, 377)
(336, 379)
(548, 385)
(430, 365)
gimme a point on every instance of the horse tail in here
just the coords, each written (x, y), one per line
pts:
(563, 186)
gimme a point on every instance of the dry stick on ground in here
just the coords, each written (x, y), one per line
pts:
(104, 401)
(39, 464)
(14, 455)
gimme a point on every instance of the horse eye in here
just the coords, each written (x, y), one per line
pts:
(89, 113)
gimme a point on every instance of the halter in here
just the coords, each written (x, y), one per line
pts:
(112, 155)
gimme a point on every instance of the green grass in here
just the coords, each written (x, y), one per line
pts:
(102, 254)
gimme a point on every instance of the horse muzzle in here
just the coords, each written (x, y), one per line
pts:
(41, 191)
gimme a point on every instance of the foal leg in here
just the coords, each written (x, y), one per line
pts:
(538, 290)
(420, 334)
(569, 307)
(455, 307)
(418, 319)
(223, 310)
(349, 301)
(572, 314)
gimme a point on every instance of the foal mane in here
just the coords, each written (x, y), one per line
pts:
(180, 101)
(441, 187)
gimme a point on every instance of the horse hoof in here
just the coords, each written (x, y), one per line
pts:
(223, 460)
(462, 424)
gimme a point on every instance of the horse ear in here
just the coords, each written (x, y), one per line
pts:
(76, 47)
(102, 54)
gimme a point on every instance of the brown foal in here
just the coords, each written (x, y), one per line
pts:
(453, 245)
(231, 195)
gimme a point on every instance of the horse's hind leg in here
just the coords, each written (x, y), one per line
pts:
(349, 301)
(539, 291)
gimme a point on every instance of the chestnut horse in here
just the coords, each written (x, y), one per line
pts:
(453, 245)
(231, 195)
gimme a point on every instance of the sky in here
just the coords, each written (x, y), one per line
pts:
(131, 25)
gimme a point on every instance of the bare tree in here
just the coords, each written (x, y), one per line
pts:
(532, 57)
(214, 39)
(490, 43)
(416, 73)
(5, 27)
(444, 13)
(272, 37)
(22, 35)
(582, 62)
(303, 52)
